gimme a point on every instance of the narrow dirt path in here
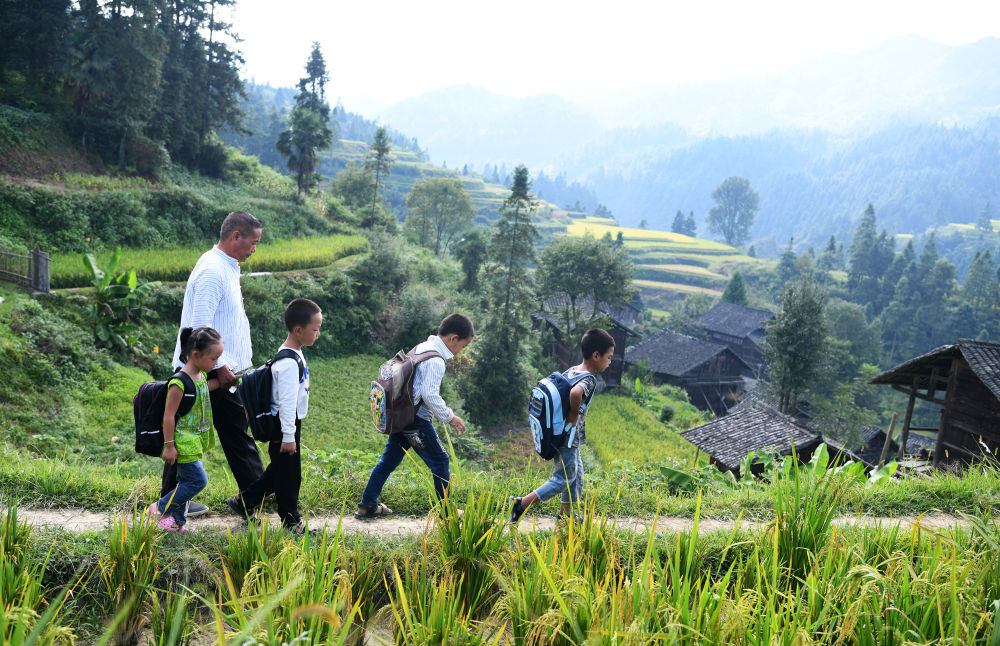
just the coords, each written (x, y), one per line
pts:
(79, 520)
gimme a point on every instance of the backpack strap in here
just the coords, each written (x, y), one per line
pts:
(190, 392)
(288, 353)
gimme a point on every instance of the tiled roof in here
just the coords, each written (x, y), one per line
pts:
(751, 428)
(983, 357)
(734, 320)
(672, 353)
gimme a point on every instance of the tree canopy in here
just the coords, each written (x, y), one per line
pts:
(438, 209)
(736, 206)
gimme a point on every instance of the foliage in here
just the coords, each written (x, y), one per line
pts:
(379, 161)
(128, 572)
(576, 268)
(471, 250)
(309, 128)
(796, 341)
(498, 366)
(735, 207)
(736, 290)
(118, 301)
(438, 209)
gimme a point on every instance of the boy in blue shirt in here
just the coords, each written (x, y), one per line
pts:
(597, 347)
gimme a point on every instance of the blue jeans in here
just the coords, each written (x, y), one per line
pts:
(396, 445)
(567, 478)
(191, 479)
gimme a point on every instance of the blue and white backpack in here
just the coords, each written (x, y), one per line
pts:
(548, 410)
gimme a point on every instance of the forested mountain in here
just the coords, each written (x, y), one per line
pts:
(906, 125)
(813, 184)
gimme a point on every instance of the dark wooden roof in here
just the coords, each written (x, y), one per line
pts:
(983, 358)
(675, 354)
(734, 320)
(751, 428)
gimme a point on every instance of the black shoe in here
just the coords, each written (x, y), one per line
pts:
(236, 506)
(516, 510)
(196, 509)
(414, 440)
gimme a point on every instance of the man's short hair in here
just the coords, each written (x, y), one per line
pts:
(459, 324)
(596, 340)
(240, 221)
(299, 312)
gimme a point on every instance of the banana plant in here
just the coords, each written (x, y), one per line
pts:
(119, 302)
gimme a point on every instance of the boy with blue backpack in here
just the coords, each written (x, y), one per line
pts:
(597, 347)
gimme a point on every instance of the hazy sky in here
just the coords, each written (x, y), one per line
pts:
(381, 51)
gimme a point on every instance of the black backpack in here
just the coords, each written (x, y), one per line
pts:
(255, 391)
(391, 395)
(147, 407)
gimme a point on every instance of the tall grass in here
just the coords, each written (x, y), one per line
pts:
(128, 571)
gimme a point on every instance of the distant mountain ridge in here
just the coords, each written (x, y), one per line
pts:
(907, 124)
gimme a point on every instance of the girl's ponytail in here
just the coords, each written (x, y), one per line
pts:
(185, 339)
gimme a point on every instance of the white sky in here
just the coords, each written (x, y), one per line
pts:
(381, 51)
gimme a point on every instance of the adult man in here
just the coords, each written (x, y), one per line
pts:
(213, 298)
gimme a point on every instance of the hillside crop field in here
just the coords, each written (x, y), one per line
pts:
(175, 263)
(667, 262)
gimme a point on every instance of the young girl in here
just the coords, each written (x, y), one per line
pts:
(187, 440)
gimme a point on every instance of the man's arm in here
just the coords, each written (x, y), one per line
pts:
(207, 292)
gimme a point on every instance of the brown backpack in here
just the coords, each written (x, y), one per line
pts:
(392, 393)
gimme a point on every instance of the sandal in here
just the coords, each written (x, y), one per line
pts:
(516, 510)
(366, 512)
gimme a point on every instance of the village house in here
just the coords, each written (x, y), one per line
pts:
(964, 380)
(751, 427)
(712, 374)
(739, 328)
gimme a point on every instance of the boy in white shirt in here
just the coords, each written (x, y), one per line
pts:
(453, 335)
(290, 394)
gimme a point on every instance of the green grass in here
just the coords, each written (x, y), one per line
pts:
(175, 263)
(620, 429)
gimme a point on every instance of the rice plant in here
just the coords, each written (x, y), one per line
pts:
(128, 571)
(471, 543)
(426, 610)
(172, 620)
(317, 605)
(23, 622)
(260, 542)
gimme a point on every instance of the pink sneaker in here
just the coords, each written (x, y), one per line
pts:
(153, 511)
(168, 524)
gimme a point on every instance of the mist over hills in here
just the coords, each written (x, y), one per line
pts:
(905, 125)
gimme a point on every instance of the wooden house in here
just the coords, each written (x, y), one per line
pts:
(712, 374)
(739, 328)
(567, 350)
(752, 427)
(964, 380)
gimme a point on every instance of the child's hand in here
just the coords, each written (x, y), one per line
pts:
(288, 447)
(457, 423)
(169, 453)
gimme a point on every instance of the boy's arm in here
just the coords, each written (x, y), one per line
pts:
(575, 399)
(430, 390)
(286, 394)
(174, 395)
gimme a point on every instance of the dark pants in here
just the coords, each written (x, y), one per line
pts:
(230, 421)
(396, 445)
(283, 478)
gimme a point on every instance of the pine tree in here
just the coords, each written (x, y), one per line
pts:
(679, 224)
(498, 369)
(379, 161)
(309, 128)
(736, 290)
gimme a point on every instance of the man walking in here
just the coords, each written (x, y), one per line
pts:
(213, 298)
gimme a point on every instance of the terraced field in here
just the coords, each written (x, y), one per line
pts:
(668, 264)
